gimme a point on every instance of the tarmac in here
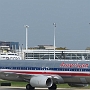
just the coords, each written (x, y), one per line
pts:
(23, 88)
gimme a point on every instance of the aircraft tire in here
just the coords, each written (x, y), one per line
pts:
(29, 87)
(53, 87)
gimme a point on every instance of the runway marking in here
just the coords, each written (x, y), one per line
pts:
(24, 88)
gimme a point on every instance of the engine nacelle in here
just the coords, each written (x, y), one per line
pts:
(77, 85)
(41, 81)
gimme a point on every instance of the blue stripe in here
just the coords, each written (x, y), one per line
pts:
(53, 69)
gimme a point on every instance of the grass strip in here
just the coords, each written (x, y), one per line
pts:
(23, 84)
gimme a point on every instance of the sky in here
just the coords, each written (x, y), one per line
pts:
(72, 18)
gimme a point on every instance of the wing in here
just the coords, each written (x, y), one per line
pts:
(25, 75)
(14, 75)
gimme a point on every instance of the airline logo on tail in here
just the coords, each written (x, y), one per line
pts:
(74, 65)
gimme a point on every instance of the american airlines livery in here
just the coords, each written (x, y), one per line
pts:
(46, 73)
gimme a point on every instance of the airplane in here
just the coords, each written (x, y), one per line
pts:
(46, 73)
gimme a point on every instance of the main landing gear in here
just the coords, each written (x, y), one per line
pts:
(53, 87)
(29, 87)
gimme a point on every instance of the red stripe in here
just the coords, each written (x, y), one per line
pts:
(51, 73)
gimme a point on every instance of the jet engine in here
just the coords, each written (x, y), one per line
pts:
(41, 81)
(77, 85)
